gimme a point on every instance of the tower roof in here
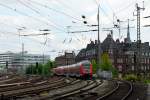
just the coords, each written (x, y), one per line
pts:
(128, 40)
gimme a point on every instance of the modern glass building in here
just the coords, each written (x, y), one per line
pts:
(17, 61)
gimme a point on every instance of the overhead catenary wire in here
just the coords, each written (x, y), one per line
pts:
(119, 11)
(32, 39)
(37, 11)
(110, 6)
(79, 32)
(68, 7)
(11, 25)
(21, 2)
(74, 11)
(18, 28)
(12, 33)
(77, 19)
(73, 38)
(35, 18)
(65, 40)
(106, 14)
(58, 11)
(55, 10)
(95, 1)
(125, 7)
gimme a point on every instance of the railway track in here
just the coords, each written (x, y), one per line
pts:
(59, 88)
(10, 80)
(29, 89)
(15, 85)
(26, 81)
(76, 87)
(39, 97)
(6, 76)
(53, 90)
(121, 92)
(80, 93)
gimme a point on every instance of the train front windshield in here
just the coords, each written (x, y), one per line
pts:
(86, 65)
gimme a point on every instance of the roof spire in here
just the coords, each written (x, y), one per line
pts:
(128, 33)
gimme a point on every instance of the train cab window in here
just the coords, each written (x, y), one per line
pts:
(86, 65)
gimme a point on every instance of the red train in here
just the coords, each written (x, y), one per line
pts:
(81, 69)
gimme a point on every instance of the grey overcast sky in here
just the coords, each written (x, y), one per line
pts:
(61, 17)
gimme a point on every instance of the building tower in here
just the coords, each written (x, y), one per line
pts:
(128, 33)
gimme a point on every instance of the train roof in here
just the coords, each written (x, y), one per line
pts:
(79, 63)
(85, 61)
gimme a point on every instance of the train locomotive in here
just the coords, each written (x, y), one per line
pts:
(82, 69)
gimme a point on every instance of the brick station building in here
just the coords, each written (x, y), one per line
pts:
(66, 59)
(122, 54)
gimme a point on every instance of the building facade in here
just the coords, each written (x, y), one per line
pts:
(88, 53)
(122, 54)
(6, 59)
(66, 59)
(19, 61)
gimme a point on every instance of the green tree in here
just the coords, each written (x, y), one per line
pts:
(40, 67)
(47, 67)
(114, 72)
(34, 69)
(94, 66)
(28, 70)
(106, 64)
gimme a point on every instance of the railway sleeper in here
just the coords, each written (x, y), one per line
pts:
(45, 90)
(93, 93)
(83, 92)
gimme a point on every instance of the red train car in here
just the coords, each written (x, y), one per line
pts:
(81, 69)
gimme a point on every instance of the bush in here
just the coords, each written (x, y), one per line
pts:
(147, 81)
(114, 72)
(106, 64)
(131, 77)
(95, 66)
(40, 69)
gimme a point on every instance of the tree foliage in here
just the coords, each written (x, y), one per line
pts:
(40, 69)
(94, 66)
(114, 72)
(105, 64)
